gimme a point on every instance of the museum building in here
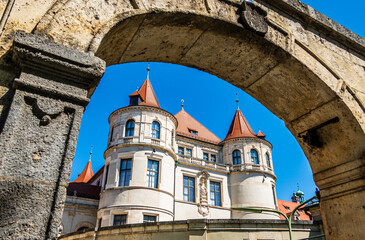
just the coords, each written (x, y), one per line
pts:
(161, 167)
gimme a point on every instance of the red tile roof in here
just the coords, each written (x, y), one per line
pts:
(239, 127)
(187, 123)
(147, 94)
(83, 190)
(291, 205)
(261, 134)
(86, 174)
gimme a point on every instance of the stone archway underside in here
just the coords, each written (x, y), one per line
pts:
(311, 81)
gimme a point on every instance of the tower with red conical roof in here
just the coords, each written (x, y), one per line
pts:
(252, 178)
(139, 162)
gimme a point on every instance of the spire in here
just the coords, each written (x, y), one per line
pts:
(239, 127)
(148, 95)
(237, 101)
(182, 104)
(148, 71)
(87, 173)
(145, 96)
(91, 153)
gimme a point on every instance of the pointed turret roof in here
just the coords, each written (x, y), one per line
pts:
(86, 174)
(239, 127)
(147, 95)
(190, 127)
(261, 134)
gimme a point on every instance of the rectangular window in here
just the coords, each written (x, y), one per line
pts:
(148, 218)
(273, 194)
(215, 193)
(189, 189)
(111, 134)
(120, 219)
(205, 156)
(188, 152)
(106, 175)
(181, 151)
(99, 225)
(125, 172)
(152, 173)
(213, 158)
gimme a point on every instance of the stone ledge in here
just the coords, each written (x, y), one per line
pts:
(199, 224)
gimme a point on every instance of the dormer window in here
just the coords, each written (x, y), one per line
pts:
(193, 132)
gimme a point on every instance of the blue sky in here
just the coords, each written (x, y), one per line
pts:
(208, 99)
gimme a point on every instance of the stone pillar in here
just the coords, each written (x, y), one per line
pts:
(342, 200)
(38, 142)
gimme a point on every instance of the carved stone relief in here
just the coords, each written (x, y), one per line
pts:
(203, 207)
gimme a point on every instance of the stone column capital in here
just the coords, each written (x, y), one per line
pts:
(37, 55)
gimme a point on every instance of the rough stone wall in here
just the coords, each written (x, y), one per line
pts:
(39, 138)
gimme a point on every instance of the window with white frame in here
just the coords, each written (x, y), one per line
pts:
(106, 175)
(213, 158)
(156, 130)
(152, 173)
(149, 218)
(111, 134)
(254, 157)
(120, 219)
(129, 128)
(181, 151)
(268, 162)
(236, 157)
(215, 193)
(206, 157)
(189, 189)
(125, 172)
(188, 152)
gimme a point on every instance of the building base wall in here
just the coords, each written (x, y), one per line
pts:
(205, 229)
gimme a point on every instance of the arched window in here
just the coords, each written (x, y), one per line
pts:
(236, 156)
(156, 130)
(268, 160)
(254, 157)
(129, 128)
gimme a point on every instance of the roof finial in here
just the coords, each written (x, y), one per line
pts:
(182, 104)
(237, 101)
(148, 71)
(91, 153)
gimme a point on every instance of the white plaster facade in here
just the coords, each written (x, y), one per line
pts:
(240, 185)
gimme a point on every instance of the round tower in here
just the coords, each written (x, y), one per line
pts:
(252, 178)
(139, 163)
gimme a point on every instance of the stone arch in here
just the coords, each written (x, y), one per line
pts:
(312, 89)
